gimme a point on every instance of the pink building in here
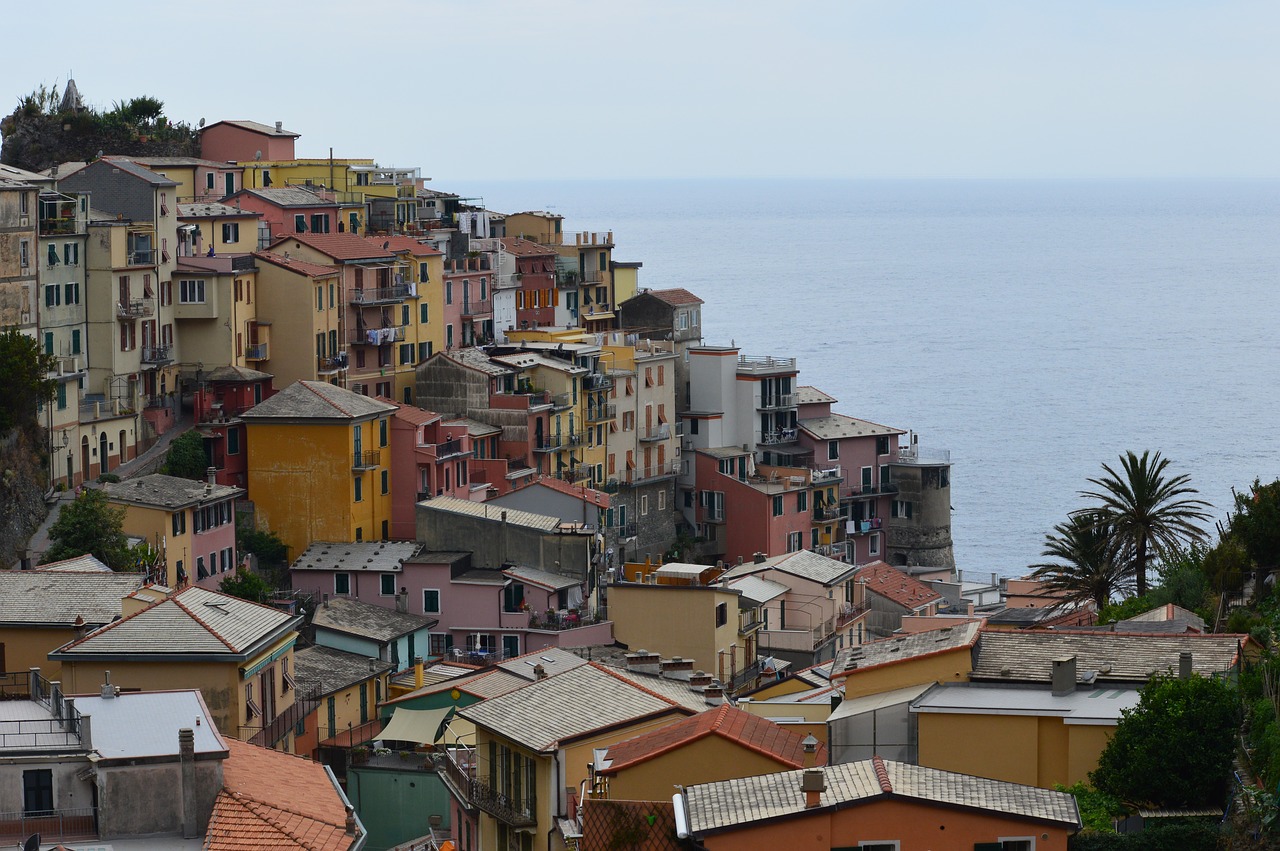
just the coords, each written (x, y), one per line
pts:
(743, 510)
(220, 397)
(468, 301)
(429, 458)
(290, 210)
(244, 141)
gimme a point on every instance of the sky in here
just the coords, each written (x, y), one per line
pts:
(557, 89)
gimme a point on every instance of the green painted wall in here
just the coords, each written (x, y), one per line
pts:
(395, 805)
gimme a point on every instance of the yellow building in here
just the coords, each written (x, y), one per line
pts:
(217, 314)
(303, 345)
(536, 742)
(319, 465)
(937, 656)
(239, 654)
(347, 689)
(191, 524)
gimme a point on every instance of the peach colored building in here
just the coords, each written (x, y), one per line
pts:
(235, 141)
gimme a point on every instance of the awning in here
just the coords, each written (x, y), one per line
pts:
(416, 725)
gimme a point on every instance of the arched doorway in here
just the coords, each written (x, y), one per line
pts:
(103, 464)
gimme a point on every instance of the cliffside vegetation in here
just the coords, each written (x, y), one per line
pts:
(23, 457)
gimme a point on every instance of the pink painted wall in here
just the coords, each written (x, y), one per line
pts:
(208, 544)
(281, 219)
(750, 525)
(228, 143)
(415, 453)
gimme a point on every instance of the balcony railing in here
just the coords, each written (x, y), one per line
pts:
(662, 431)
(102, 409)
(779, 437)
(476, 308)
(377, 336)
(827, 474)
(333, 364)
(850, 491)
(381, 295)
(56, 226)
(562, 401)
(133, 309)
(838, 550)
(575, 474)
(511, 810)
(916, 455)
(596, 381)
(63, 825)
(449, 449)
(745, 679)
(366, 460)
(601, 413)
(552, 442)
(305, 701)
(258, 351)
(863, 527)
(457, 768)
(826, 512)
(552, 621)
(781, 400)
(848, 614)
(141, 258)
(643, 474)
(748, 363)
(157, 354)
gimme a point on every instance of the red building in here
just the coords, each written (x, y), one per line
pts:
(222, 395)
(743, 510)
(290, 210)
(468, 301)
(429, 457)
(537, 296)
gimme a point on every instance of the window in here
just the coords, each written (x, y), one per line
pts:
(644, 504)
(190, 292)
(385, 486)
(71, 293)
(802, 501)
(24, 253)
(387, 581)
(406, 353)
(382, 432)
(230, 232)
(251, 709)
(300, 223)
(833, 450)
(424, 351)
(52, 295)
(424, 313)
(901, 508)
(682, 320)
(342, 583)
(430, 601)
(882, 444)
(208, 180)
(873, 544)
(201, 573)
(37, 791)
(62, 396)
(179, 522)
(777, 506)
(359, 488)
(794, 542)
(866, 478)
(53, 255)
(71, 254)
(319, 223)
(662, 500)
(880, 845)
(448, 336)
(722, 614)
(693, 426)
(233, 441)
(319, 298)
(448, 292)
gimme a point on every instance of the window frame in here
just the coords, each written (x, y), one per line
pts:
(344, 575)
(382, 584)
(436, 592)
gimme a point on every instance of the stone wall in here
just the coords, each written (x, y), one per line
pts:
(22, 488)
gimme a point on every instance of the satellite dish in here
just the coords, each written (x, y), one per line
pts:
(201, 123)
(32, 843)
(257, 155)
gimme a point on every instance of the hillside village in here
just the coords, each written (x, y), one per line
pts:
(560, 572)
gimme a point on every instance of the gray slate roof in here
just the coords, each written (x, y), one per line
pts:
(212, 209)
(170, 492)
(376, 623)
(477, 359)
(194, 622)
(332, 669)
(533, 576)
(255, 126)
(809, 395)
(317, 400)
(78, 564)
(1027, 655)
(837, 426)
(515, 517)
(380, 556)
(804, 563)
(547, 712)
(290, 196)
(729, 803)
(57, 598)
(235, 373)
(552, 659)
(912, 646)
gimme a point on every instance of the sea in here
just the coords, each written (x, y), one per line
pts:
(1037, 329)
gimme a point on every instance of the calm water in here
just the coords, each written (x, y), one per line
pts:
(1035, 328)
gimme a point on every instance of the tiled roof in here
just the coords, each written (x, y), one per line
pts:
(77, 564)
(809, 395)
(477, 360)
(180, 161)
(365, 620)
(256, 127)
(339, 246)
(400, 244)
(317, 400)
(551, 581)
(475, 428)
(235, 374)
(139, 172)
(729, 803)
(276, 800)
(378, 556)
(168, 492)
(212, 210)
(194, 622)
(600, 499)
(302, 267)
(888, 582)
(483, 684)
(805, 564)
(525, 247)
(733, 725)
(675, 296)
(58, 597)
(676, 691)
(414, 415)
(757, 589)
(553, 660)
(514, 517)
(547, 712)
(332, 669)
(903, 647)
(837, 426)
(1027, 655)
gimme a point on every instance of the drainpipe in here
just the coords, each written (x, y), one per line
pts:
(556, 779)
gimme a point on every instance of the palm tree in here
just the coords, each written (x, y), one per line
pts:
(1151, 513)
(1093, 561)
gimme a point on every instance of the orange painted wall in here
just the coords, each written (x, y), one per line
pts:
(705, 761)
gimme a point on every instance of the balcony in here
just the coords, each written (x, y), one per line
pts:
(366, 460)
(601, 413)
(780, 400)
(256, 352)
(750, 621)
(839, 550)
(64, 825)
(103, 409)
(596, 381)
(381, 295)
(510, 810)
(924, 457)
(378, 336)
(562, 401)
(552, 442)
(825, 475)
(822, 513)
(553, 621)
(757, 365)
(643, 474)
(157, 354)
(863, 527)
(456, 767)
(575, 474)
(328, 366)
(476, 308)
(447, 449)
(662, 431)
(848, 614)
(587, 238)
(137, 308)
(141, 258)
(780, 437)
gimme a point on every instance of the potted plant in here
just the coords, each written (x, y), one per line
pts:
(359, 755)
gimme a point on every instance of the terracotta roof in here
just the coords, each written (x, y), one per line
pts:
(675, 296)
(887, 581)
(525, 247)
(733, 725)
(600, 499)
(276, 800)
(403, 243)
(339, 246)
(413, 415)
(302, 267)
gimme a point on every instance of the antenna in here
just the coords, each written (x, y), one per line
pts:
(200, 123)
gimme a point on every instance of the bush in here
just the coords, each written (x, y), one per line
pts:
(186, 458)
(1183, 835)
(108, 479)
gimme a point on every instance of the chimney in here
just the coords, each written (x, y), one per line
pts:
(1064, 676)
(813, 783)
(279, 126)
(810, 751)
(676, 668)
(108, 690)
(402, 601)
(539, 672)
(211, 475)
(644, 662)
(187, 756)
(714, 693)
(759, 558)
(351, 813)
(417, 672)
(1184, 665)
(700, 679)
(326, 601)
(81, 628)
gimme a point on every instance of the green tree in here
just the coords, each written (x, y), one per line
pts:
(24, 375)
(246, 586)
(90, 524)
(1174, 749)
(1255, 524)
(186, 457)
(1147, 509)
(1092, 561)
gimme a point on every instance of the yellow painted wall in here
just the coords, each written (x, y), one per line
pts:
(281, 295)
(219, 683)
(952, 666)
(706, 760)
(303, 486)
(626, 283)
(687, 616)
(156, 526)
(28, 647)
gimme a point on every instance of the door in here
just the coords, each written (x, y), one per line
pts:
(84, 456)
(103, 461)
(364, 703)
(510, 646)
(230, 183)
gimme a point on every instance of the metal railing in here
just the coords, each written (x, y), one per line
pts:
(765, 363)
(133, 309)
(258, 351)
(780, 400)
(867, 490)
(776, 438)
(640, 474)
(381, 336)
(601, 413)
(305, 701)
(551, 442)
(578, 473)
(449, 449)
(862, 527)
(838, 550)
(848, 613)
(457, 768)
(826, 512)
(102, 409)
(365, 460)
(827, 474)
(662, 431)
(562, 401)
(376, 295)
(157, 354)
(77, 823)
(555, 622)
(517, 812)
(333, 364)
(596, 381)
(916, 455)
(476, 308)
(141, 258)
